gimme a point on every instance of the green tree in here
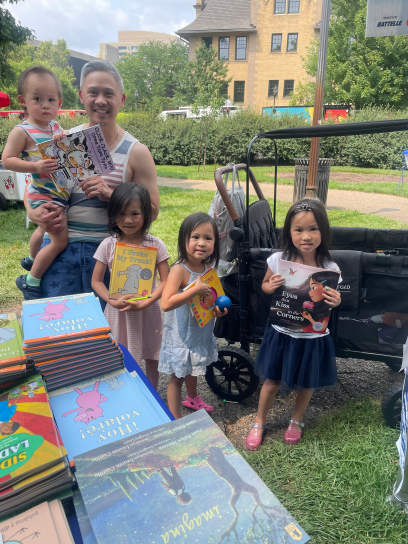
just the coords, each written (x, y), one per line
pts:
(153, 71)
(52, 56)
(360, 71)
(201, 84)
(11, 34)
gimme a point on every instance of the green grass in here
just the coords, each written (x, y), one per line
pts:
(336, 480)
(175, 205)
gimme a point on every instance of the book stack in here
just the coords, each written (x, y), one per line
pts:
(13, 361)
(68, 338)
(45, 523)
(33, 457)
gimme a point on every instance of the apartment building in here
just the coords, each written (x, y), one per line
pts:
(262, 41)
(128, 43)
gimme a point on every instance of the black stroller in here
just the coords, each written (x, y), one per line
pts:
(372, 321)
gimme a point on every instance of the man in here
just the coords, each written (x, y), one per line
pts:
(101, 93)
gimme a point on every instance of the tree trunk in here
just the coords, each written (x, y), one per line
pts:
(215, 161)
(199, 154)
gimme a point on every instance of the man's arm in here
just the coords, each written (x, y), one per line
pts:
(144, 172)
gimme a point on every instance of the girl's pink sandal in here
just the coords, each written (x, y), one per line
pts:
(292, 436)
(197, 404)
(254, 439)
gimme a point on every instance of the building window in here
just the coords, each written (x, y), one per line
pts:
(240, 51)
(288, 87)
(207, 41)
(276, 46)
(292, 43)
(239, 91)
(272, 84)
(293, 6)
(224, 90)
(134, 48)
(122, 47)
(223, 48)
(280, 6)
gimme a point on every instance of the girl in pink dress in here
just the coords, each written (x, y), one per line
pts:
(135, 324)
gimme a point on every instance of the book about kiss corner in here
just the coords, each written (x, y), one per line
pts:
(182, 481)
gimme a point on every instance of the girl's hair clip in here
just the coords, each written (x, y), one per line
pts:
(302, 208)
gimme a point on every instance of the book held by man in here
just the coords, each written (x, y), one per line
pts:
(79, 156)
(203, 307)
(299, 303)
(132, 270)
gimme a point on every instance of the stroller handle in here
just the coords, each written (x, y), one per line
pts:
(223, 191)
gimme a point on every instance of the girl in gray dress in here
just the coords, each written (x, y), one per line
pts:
(188, 349)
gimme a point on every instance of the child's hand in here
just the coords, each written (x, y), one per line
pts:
(201, 288)
(120, 303)
(332, 297)
(58, 137)
(218, 313)
(45, 167)
(135, 305)
(274, 282)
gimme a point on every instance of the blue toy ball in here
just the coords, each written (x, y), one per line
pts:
(223, 303)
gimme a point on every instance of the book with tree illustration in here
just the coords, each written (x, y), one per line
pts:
(132, 270)
(79, 156)
(181, 480)
(11, 341)
(203, 307)
(298, 304)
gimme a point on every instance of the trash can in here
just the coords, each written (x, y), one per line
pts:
(322, 182)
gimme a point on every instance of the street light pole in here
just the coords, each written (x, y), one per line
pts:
(311, 187)
(136, 97)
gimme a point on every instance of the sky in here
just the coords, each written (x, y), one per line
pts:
(85, 23)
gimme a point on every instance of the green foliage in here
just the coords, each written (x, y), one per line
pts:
(52, 56)
(153, 71)
(360, 71)
(11, 35)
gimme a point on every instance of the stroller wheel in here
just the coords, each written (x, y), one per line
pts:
(232, 377)
(391, 406)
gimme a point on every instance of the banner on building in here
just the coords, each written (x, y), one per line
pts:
(387, 18)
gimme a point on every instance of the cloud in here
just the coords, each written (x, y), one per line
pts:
(86, 23)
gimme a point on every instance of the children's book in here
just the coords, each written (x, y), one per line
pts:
(28, 439)
(298, 304)
(103, 409)
(11, 342)
(203, 307)
(181, 481)
(88, 536)
(36, 524)
(60, 522)
(132, 270)
(52, 320)
(79, 156)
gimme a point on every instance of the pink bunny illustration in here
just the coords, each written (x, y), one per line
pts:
(88, 403)
(53, 311)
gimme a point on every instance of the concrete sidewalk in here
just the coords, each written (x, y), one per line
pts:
(393, 207)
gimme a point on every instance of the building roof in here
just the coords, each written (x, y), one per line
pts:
(220, 16)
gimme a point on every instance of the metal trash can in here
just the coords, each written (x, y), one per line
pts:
(322, 182)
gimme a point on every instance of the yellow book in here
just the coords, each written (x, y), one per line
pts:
(203, 307)
(132, 270)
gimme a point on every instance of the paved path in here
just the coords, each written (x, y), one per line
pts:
(393, 207)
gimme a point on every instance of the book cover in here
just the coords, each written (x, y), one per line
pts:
(79, 156)
(28, 439)
(298, 304)
(103, 409)
(51, 319)
(11, 342)
(203, 307)
(35, 524)
(60, 522)
(182, 481)
(88, 536)
(132, 270)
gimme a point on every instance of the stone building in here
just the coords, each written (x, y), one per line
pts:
(262, 41)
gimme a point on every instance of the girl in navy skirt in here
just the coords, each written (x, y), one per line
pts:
(288, 359)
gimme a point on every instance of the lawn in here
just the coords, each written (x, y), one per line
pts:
(175, 205)
(335, 481)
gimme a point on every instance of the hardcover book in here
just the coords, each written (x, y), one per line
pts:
(103, 409)
(203, 307)
(79, 156)
(132, 270)
(11, 342)
(35, 524)
(182, 481)
(298, 304)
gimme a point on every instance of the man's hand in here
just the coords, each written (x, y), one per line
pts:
(45, 167)
(49, 217)
(96, 186)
